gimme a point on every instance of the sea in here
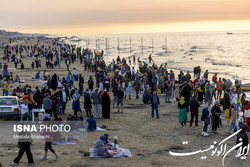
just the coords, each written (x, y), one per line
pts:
(225, 53)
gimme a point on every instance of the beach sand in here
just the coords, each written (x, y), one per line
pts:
(149, 139)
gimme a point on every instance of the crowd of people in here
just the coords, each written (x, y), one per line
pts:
(118, 78)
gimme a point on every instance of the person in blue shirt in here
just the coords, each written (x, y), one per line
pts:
(5, 72)
(70, 78)
(91, 123)
(154, 103)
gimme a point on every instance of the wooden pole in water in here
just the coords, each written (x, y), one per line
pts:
(99, 44)
(152, 46)
(166, 44)
(130, 47)
(106, 40)
(118, 45)
(142, 45)
(96, 43)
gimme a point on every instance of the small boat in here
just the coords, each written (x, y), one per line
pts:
(244, 87)
(229, 33)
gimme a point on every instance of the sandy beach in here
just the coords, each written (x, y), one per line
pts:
(149, 139)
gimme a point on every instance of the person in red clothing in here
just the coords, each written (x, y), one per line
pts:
(5, 66)
(247, 115)
(195, 81)
(214, 77)
(219, 87)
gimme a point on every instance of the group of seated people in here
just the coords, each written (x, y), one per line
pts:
(40, 75)
(105, 149)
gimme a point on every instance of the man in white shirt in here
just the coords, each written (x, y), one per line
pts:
(25, 110)
(234, 99)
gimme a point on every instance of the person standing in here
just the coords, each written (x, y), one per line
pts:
(234, 100)
(215, 116)
(5, 88)
(206, 119)
(182, 105)
(81, 83)
(76, 102)
(47, 104)
(91, 83)
(208, 92)
(233, 116)
(247, 115)
(194, 109)
(154, 103)
(68, 63)
(105, 104)
(137, 87)
(16, 62)
(115, 98)
(48, 143)
(219, 87)
(120, 95)
(97, 103)
(24, 145)
(128, 90)
(54, 82)
(70, 78)
(87, 103)
(167, 86)
(37, 63)
(63, 99)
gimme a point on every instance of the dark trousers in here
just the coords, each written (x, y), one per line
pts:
(49, 111)
(63, 108)
(75, 112)
(25, 147)
(81, 88)
(30, 106)
(155, 107)
(48, 146)
(194, 114)
(215, 122)
(88, 112)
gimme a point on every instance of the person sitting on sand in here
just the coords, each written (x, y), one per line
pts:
(37, 75)
(17, 79)
(41, 76)
(100, 149)
(91, 124)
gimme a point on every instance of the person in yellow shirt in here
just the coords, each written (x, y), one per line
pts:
(5, 88)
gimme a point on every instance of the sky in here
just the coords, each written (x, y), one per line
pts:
(73, 17)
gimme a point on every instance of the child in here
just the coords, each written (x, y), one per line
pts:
(48, 141)
(206, 119)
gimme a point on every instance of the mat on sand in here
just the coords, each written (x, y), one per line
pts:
(64, 143)
(97, 129)
(126, 151)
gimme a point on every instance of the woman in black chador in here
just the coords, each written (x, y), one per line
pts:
(54, 82)
(105, 104)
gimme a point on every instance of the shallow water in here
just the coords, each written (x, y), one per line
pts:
(228, 55)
